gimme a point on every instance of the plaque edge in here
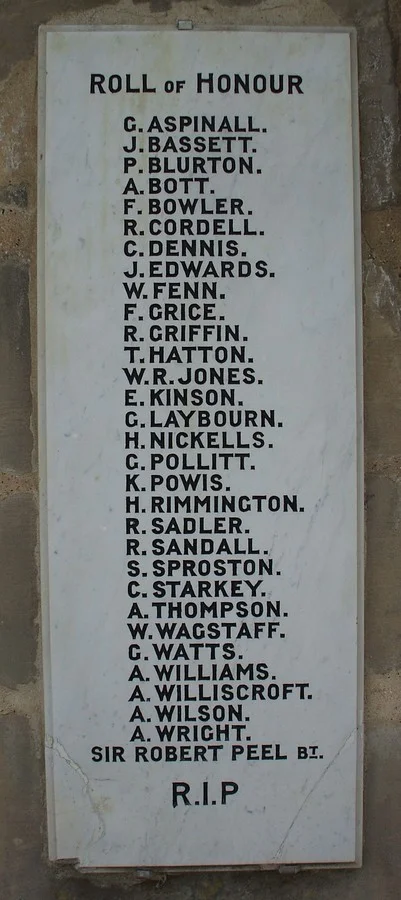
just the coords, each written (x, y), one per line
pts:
(43, 31)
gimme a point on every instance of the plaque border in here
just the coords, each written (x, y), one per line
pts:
(154, 872)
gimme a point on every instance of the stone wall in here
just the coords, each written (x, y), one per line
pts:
(24, 871)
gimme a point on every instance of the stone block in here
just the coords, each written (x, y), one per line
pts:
(19, 22)
(19, 596)
(14, 195)
(382, 290)
(383, 809)
(382, 387)
(15, 369)
(352, 11)
(23, 874)
(375, 56)
(382, 231)
(383, 574)
(380, 146)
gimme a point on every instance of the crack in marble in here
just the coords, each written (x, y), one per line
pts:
(53, 743)
(313, 788)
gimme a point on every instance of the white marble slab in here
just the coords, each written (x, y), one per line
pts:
(244, 748)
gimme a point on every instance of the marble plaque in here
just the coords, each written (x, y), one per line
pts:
(200, 368)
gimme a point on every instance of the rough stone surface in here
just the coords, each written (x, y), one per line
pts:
(382, 805)
(24, 18)
(383, 608)
(19, 591)
(15, 233)
(382, 291)
(394, 9)
(15, 365)
(382, 387)
(382, 231)
(14, 195)
(382, 267)
(24, 872)
(375, 53)
(380, 139)
(13, 484)
(355, 12)
(383, 698)
(378, 98)
(18, 101)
